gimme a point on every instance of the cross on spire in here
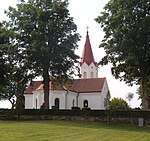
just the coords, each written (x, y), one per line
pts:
(87, 28)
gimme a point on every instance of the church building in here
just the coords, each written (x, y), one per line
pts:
(87, 91)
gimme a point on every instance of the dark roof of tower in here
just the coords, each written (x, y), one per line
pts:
(87, 55)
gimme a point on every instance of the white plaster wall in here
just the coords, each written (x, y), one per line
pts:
(94, 69)
(65, 99)
(105, 91)
(28, 101)
(40, 98)
(50, 100)
(89, 69)
(60, 95)
(94, 100)
(70, 97)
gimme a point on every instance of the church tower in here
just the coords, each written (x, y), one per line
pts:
(88, 65)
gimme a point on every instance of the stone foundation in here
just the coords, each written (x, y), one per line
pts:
(74, 118)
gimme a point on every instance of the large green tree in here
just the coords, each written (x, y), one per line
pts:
(126, 24)
(47, 36)
(15, 69)
(5, 65)
(3, 40)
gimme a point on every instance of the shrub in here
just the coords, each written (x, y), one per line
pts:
(118, 104)
(75, 108)
(78, 112)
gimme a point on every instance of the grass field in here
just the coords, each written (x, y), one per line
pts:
(70, 131)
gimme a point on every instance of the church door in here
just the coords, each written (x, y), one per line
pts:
(57, 103)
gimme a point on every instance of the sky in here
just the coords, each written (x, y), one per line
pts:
(84, 12)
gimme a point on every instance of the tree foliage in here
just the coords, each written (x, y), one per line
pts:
(5, 65)
(47, 37)
(126, 41)
(16, 71)
(118, 104)
(3, 40)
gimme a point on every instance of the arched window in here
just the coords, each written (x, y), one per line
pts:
(85, 103)
(73, 103)
(57, 103)
(92, 74)
(84, 75)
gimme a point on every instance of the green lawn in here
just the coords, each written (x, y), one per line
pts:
(70, 131)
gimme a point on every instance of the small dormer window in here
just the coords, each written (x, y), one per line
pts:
(92, 67)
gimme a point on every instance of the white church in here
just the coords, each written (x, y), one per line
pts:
(87, 91)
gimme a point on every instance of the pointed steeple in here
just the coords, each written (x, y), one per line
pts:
(88, 66)
(87, 55)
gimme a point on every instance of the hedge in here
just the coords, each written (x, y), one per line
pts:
(78, 112)
(132, 113)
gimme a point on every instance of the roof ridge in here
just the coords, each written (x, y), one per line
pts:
(90, 78)
(79, 86)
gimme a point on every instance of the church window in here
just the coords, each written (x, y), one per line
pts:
(73, 103)
(36, 103)
(92, 74)
(84, 75)
(85, 103)
(57, 103)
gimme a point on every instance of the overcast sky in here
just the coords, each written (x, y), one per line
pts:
(84, 12)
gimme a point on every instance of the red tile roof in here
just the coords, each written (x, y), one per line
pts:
(87, 85)
(34, 85)
(87, 55)
(51, 87)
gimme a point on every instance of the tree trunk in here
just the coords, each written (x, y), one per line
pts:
(144, 93)
(46, 87)
(12, 103)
